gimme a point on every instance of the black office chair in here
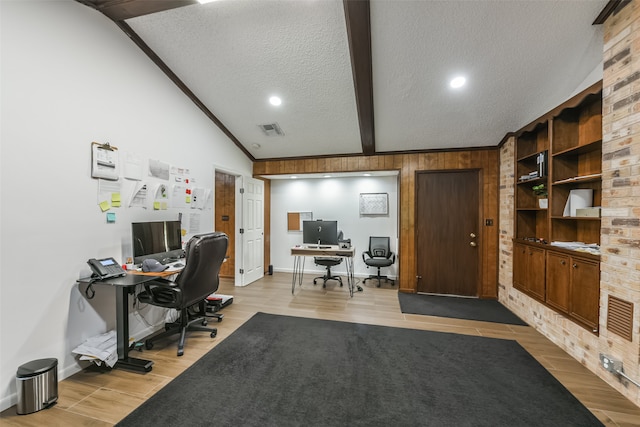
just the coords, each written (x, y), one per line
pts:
(327, 262)
(379, 255)
(199, 279)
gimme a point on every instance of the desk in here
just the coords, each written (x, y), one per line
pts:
(124, 286)
(300, 252)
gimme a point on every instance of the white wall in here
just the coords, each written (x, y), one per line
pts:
(332, 199)
(70, 77)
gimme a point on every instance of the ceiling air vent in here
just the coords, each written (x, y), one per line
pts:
(272, 129)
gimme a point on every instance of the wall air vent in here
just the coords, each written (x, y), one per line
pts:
(272, 129)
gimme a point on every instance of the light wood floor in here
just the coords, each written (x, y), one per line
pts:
(93, 398)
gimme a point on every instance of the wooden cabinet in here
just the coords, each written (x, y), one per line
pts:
(573, 288)
(585, 292)
(558, 278)
(568, 143)
(529, 267)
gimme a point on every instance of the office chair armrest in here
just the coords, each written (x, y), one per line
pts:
(392, 256)
(161, 292)
(367, 253)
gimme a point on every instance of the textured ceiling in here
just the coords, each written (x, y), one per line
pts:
(521, 59)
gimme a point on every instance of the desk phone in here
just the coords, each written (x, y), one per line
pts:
(105, 268)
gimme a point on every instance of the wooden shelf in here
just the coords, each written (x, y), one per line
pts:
(570, 136)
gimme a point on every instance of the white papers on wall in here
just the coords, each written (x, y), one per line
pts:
(139, 196)
(104, 161)
(179, 196)
(578, 199)
(108, 194)
(158, 169)
(132, 166)
(198, 198)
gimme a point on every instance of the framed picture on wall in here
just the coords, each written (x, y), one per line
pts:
(374, 204)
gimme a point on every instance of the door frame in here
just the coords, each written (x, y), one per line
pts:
(238, 278)
(481, 234)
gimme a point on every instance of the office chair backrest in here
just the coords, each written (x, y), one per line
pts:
(379, 247)
(200, 276)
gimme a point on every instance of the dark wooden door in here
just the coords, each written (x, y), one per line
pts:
(447, 232)
(225, 220)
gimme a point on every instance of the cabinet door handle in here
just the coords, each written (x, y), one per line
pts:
(575, 265)
(563, 262)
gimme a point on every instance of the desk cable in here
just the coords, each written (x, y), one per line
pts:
(89, 292)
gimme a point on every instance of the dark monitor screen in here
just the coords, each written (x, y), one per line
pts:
(158, 240)
(320, 232)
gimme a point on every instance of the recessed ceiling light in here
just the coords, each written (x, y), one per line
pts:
(255, 145)
(327, 176)
(457, 82)
(367, 174)
(294, 177)
(275, 100)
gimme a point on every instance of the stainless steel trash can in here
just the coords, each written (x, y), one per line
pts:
(37, 383)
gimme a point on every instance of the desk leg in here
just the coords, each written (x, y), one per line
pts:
(122, 333)
(350, 278)
(298, 271)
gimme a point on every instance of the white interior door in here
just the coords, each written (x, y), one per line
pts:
(252, 231)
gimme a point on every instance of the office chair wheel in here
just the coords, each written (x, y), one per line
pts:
(314, 281)
(204, 322)
(180, 351)
(213, 334)
(219, 319)
(148, 345)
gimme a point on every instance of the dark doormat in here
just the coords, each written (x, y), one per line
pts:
(291, 371)
(458, 308)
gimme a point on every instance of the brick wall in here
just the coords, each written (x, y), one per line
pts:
(620, 236)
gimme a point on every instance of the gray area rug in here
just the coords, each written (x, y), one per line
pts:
(289, 371)
(458, 308)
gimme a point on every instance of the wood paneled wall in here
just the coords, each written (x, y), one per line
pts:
(485, 160)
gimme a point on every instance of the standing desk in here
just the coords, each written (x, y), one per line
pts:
(300, 252)
(125, 285)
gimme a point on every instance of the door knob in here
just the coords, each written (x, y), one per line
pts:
(472, 235)
(474, 244)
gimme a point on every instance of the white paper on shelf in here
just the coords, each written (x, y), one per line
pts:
(578, 198)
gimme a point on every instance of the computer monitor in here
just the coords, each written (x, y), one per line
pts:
(320, 232)
(160, 240)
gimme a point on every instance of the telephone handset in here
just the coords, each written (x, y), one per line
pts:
(106, 267)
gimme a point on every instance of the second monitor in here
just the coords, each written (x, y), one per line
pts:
(320, 232)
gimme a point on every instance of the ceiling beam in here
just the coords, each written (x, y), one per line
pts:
(609, 9)
(357, 15)
(120, 10)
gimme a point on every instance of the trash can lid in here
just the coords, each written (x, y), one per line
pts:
(36, 367)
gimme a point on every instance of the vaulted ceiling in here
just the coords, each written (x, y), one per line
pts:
(368, 77)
